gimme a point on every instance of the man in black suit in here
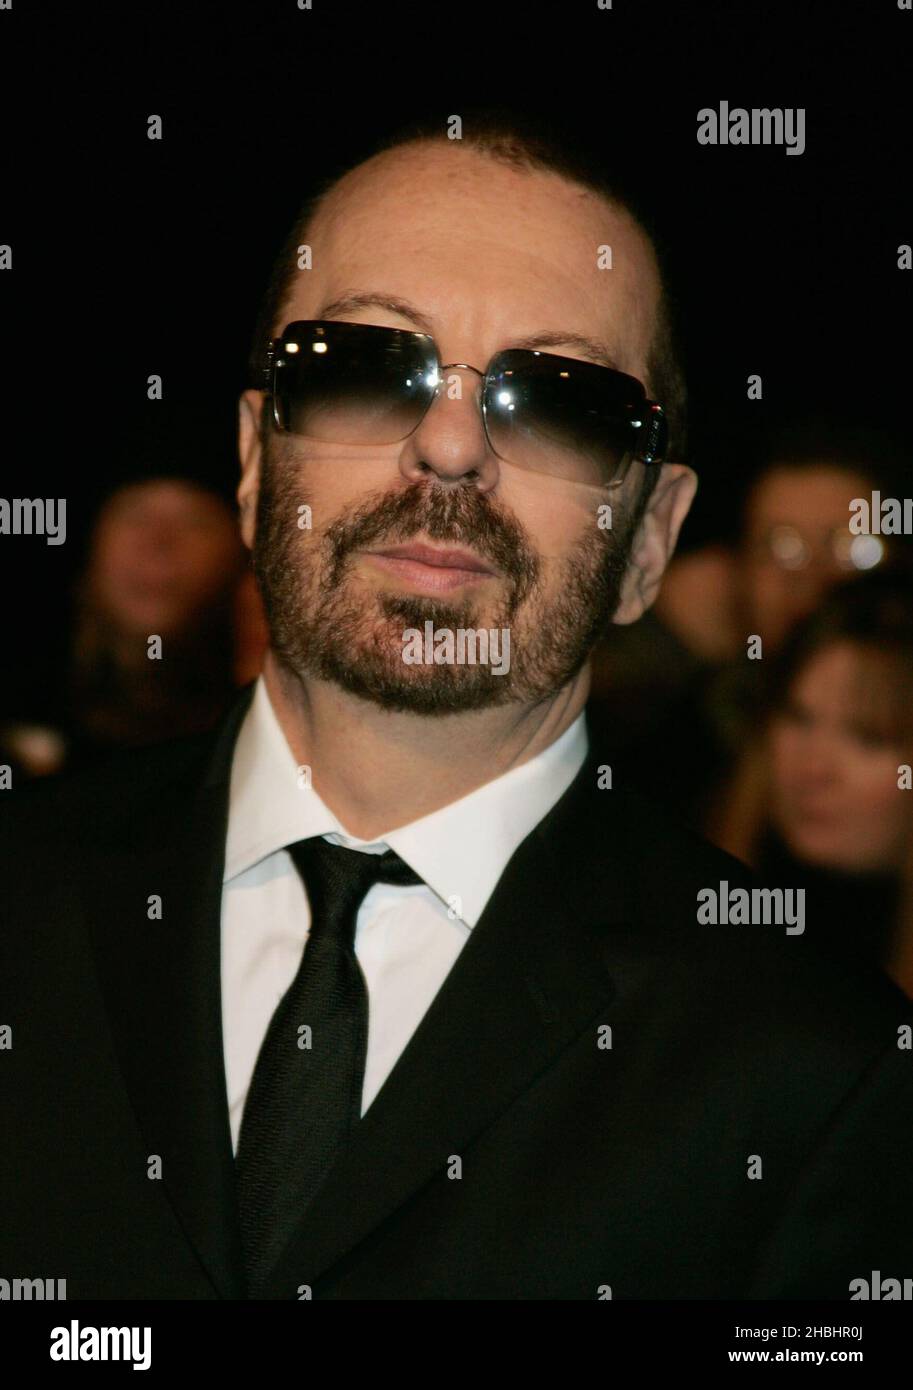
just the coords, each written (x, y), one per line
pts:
(384, 990)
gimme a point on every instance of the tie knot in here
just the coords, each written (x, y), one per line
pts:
(337, 879)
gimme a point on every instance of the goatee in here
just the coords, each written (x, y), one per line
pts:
(325, 622)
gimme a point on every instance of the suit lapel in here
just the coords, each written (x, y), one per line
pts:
(161, 981)
(529, 980)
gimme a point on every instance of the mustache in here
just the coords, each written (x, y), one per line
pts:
(461, 516)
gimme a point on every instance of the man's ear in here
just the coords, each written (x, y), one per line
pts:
(250, 406)
(655, 540)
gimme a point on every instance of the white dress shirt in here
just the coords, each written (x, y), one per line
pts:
(406, 938)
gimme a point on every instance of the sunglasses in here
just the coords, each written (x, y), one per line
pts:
(356, 383)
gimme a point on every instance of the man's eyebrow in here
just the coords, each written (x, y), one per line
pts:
(591, 348)
(345, 303)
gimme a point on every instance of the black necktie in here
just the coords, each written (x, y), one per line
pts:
(306, 1090)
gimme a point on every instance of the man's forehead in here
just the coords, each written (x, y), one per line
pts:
(475, 241)
(805, 483)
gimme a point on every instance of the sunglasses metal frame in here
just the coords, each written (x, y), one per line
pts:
(649, 435)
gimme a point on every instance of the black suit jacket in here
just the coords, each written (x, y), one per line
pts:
(582, 1168)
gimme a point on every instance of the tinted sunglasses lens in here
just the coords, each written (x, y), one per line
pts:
(571, 419)
(353, 383)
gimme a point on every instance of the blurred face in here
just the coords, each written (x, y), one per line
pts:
(795, 547)
(487, 256)
(162, 552)
(835, 799)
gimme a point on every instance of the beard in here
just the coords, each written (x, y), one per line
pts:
(325, 622)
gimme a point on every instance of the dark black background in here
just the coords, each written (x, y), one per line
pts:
(134, 256)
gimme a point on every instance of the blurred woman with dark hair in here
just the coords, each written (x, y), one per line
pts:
(822, 797)
(166, 624)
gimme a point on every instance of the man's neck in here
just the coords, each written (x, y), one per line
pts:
(377, 769)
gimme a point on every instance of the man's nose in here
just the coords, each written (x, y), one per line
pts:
(158, 538)
(810, 585)
(817, 760)
(450, 442)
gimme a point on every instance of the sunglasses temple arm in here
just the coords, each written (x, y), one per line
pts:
(653, 435)
(266, 371)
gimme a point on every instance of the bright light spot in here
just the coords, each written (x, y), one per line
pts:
(504, 398)
(866, 552)
(291, 347)
(788, 547)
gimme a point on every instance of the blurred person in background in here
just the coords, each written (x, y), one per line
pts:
(165, 559)
(689, 666)
(820, 797)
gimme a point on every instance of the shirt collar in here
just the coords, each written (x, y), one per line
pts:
(460, 850)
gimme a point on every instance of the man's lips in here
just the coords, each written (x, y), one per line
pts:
(450, 559)
(431, 569)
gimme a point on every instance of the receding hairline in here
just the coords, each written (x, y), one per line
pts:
(480, 153)
(336, 188)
